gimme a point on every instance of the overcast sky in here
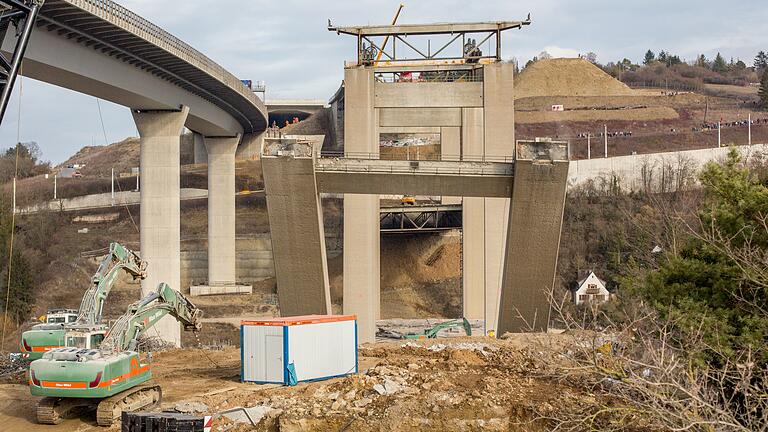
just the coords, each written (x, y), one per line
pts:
(286, 44)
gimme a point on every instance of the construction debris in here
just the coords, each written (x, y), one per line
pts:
(191, 407)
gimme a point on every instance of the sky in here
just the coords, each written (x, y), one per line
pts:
(286, 44)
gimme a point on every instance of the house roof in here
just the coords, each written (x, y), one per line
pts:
(581, 282)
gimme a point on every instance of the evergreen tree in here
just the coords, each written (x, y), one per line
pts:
(20, 294)
(702, 61)
(761, 60)
(673, 60)
(763, 92)
(703, 288)
(650, 57)
(719, 65)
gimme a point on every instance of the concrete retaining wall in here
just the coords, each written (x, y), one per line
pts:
(655, 171)
(96, 201)
(254, 261)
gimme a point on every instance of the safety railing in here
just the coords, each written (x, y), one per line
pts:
(132, 22)
(394, 169)
(431, 76)
(420, 158)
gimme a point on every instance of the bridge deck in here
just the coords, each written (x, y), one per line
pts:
(116, 31)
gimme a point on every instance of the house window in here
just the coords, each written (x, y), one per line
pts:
(600, 298)
(592, 289)
(583, 298)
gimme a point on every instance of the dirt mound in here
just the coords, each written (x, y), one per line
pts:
(567, 77)
(420, 276)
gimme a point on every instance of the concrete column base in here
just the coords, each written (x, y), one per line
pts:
(160, 223)
(209, 290)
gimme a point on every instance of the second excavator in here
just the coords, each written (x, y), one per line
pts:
(44, 337)
(112, 378)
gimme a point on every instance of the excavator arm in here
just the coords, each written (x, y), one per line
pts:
(145, 313)
(118, 259)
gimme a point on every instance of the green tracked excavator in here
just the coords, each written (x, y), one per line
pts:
(44, 337)
(112, 378)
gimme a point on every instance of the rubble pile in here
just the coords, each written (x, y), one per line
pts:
(13, 368)
(425, 385)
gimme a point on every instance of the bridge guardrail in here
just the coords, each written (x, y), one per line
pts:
(421, 158)
(120, 15)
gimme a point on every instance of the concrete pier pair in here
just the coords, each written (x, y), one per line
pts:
(160, 222)
(512, 201)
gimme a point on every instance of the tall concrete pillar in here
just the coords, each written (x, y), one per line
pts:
(533, 241)
(361, 212)
(250, 147)
(221, 210)
(499, 138)
(200, 154)
(160, 139)
(473, 245)
(450, 150)
(362, 265)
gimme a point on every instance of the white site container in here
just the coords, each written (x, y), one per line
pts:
(296, 349)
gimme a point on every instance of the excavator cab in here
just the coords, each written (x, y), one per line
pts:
(84, 339)
(61, 316)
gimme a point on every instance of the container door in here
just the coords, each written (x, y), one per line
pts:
(273, 358)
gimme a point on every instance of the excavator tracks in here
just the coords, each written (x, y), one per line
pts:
(52, 410)
(46, 411)
(139, 398)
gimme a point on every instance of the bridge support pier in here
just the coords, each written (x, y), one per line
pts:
(200, 154)
(250, 147)
(533, 242)
(298, 236)
(362, 263)
(160, 140)
(222, 255)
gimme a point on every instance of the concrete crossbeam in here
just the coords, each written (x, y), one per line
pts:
(533, 241)
(429, 94)
(298, 240)
(160, 139)
(410, 184)
(221, 210)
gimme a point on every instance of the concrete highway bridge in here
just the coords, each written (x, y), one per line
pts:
(102, 49)
(281, 110)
